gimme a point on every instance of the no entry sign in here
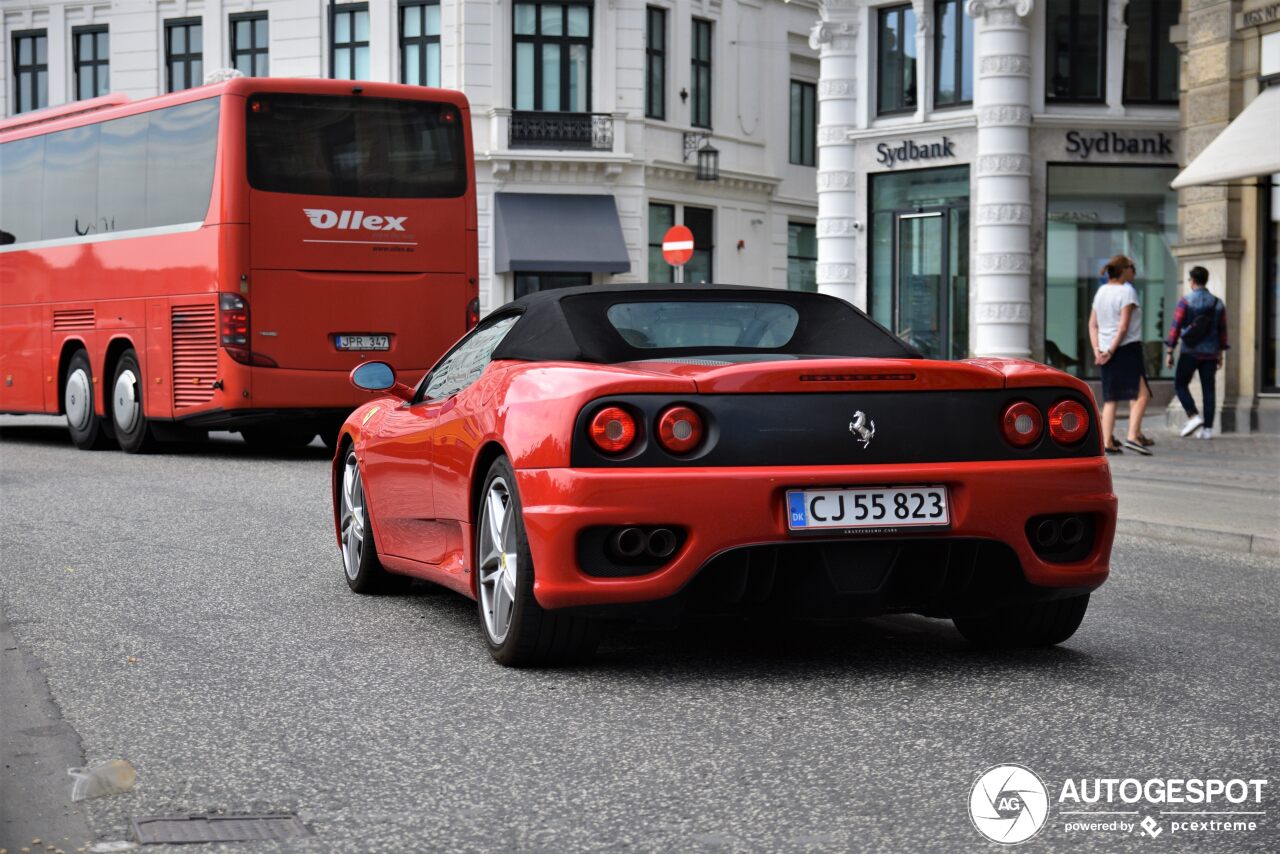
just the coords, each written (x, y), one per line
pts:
(677, 246)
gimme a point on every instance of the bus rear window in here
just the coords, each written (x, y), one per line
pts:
(325, 145)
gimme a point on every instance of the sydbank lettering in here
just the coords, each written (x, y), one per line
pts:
(351, 220)
(891, 155)
(1111, 142)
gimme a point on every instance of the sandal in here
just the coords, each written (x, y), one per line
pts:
(1111, 446)
(1145, 440)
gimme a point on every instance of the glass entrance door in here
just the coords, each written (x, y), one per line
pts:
(931, 304)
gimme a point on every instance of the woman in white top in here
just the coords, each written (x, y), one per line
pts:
(1115, 327)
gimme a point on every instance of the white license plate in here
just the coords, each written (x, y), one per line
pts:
(363, 342)
(878, 508)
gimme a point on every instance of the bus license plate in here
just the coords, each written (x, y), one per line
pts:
(364, 342)
(873, 509)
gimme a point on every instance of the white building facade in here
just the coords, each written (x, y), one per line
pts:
(980, 161)
(578, 99)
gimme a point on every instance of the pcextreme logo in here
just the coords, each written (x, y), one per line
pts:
(1010, 804)
(323, 218)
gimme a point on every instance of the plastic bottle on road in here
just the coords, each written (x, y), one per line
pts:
(105, 778)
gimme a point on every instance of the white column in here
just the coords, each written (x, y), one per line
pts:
(924, 55)
(837, 105)
(1117, 32)
(1002, 180)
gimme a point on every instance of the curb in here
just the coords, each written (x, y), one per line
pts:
(1224, 540)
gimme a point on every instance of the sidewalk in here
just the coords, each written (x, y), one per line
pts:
(1223, 493)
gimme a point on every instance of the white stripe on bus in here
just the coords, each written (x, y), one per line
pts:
(103, 237)
(376, 242)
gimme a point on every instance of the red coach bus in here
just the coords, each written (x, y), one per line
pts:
(222, 257)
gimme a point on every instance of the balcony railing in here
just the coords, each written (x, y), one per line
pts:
(576, 131)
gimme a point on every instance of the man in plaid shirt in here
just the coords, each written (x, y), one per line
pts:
(1202, 355)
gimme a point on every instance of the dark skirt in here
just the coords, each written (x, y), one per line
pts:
(1123, 373)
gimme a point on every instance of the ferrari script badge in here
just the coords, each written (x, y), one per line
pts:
(862, 427)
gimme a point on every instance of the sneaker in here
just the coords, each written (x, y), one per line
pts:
(1194, 423)
(1137, 447)
(1205, 433)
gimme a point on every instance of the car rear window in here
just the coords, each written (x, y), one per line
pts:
(704, 323)
(379, 148)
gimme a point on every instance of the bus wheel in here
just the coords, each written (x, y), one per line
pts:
(132, 431)
(279, 437)
(87, 429)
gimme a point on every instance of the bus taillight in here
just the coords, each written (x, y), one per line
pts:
(233, 326)
(473, 313)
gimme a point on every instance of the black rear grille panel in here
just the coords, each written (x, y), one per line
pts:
(798, 429)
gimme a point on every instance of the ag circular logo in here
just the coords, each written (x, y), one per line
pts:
(1009, 804)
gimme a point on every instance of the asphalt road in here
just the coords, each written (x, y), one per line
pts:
(188, 614)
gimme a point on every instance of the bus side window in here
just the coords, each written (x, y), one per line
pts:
(122, 174)
(180, 158)
(71, 183)
(21, 176)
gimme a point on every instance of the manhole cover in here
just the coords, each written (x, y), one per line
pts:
(170, 829)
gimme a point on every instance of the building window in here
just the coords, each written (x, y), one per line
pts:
(700, 80)
(30, 71)
(249, 44)
(530, 283)
(804, 123)
(802, 256)
(1076, 64)
(701, 221)
(661, 218)
(1150, 58)
(90, 61)
(420, 43)
(552, 68)
(953, 55)
(349, 41)
(655, 64)
(896, 58)
(183, 53)
(1270, 193)
(1095, 212)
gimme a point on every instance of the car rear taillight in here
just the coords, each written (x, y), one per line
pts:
(473, 313)
(680, 429)
(1022, 424)
(1068, 422)
(612, 430)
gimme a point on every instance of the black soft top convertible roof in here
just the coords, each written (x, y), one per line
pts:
(570, 324)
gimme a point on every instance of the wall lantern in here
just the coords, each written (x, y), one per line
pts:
(708, 156)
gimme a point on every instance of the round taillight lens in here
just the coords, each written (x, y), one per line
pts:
(1068, 422)
(680, 429)
(1022, 424)
(612, 429)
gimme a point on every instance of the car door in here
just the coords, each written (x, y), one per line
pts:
(400, 460)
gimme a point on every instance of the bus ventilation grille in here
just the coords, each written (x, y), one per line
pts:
(73, 318)
(195, 354)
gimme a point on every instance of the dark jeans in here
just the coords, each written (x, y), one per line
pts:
(1188, 365)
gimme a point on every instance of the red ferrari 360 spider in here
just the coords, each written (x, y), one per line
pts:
(592, 453)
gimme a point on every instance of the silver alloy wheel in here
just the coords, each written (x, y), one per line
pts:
(77, 400)
(351, 522)
(124, 406)
(498, 565)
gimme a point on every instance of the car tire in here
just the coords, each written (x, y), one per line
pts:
(279, 437)
(88, 431)
(128, 414)
(518, 631)
(361, 567)
(1034, 624)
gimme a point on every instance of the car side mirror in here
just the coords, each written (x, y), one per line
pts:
(379, 376)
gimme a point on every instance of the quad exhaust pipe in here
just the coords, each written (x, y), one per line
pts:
(633, 543)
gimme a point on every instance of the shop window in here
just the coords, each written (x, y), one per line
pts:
(530, 283)
(1150, 58)
(552, 67)
(183, 53)
(1271, 285)
(952, 55)
(1095, 212)
(90, 61)
(896, 60)
(701, 221)
(1075, 32)
(802, 256)
(30, 71)
(349, 41)
(420, 43)
(249, 44)
(700, 70)
(804, 123)
(655, 63)
(661, 218)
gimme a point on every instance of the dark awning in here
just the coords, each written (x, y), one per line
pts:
(555, 233)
